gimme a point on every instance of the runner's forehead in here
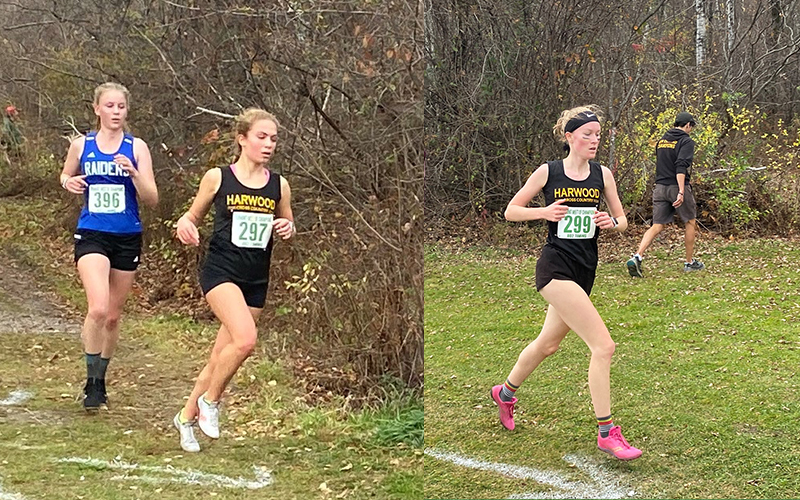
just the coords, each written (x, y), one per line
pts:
(112, 96)
(265, 126)
(588, 128)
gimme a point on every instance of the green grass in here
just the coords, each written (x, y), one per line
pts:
(268, 426)
(314, 448)
(703, 378)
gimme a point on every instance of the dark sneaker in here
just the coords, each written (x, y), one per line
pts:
(635, 267)
(101, 387)
(695, 265)
(92, 397)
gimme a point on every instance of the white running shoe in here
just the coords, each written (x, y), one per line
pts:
(208, 418)
(188, 441)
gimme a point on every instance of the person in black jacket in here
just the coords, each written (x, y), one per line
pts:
(673, 192)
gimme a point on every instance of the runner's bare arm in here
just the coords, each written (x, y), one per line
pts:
(517, 209)
(615, 209)
(70, 180)
(284, 223)
(143, 178)
(187, 224)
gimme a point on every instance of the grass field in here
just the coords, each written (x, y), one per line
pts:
(276, 442)
(703, 378)
(263, 426)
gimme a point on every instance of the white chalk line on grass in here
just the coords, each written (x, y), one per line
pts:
(5, 495)
(24, 447)
(16, 397)
(189, 476)
(603, 484)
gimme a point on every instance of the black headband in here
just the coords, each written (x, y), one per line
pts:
(580, 120)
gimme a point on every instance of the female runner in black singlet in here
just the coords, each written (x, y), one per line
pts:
(252, 205)
(565, 271)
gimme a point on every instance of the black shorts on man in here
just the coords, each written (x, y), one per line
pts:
(122, 249)
(664, 196)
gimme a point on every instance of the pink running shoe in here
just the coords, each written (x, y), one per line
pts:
(616, 446)
(506, 408)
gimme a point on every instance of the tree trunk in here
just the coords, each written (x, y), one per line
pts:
(730, 27)
(700, 38)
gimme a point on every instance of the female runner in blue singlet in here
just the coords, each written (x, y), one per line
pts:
(110, 169)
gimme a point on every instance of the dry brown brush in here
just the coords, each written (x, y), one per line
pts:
(344, 79)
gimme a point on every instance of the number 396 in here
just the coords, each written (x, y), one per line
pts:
(106, 200)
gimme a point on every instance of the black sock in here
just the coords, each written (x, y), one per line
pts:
(103, 368)
(92, 365)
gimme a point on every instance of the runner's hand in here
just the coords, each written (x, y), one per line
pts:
(555, 211)
(126, 164)
(678, 202)
(603, 220)
(76, 184)
(187, 232)
(284, 228)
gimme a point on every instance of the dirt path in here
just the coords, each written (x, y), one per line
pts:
(272, 446)
(25, 308)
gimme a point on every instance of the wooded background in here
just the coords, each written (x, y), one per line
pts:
(345, 80)
(499, 74)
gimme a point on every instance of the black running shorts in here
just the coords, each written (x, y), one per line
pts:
(122, 250)
(554, 265)
(255, 295)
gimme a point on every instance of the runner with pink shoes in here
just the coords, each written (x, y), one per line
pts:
(565, 272)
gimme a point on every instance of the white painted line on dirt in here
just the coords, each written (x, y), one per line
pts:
(5, 495)
(16, 397)
(603, 484)
(189, 476)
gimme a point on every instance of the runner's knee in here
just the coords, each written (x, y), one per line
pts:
(246, 346)
(112, 321)
(98, 313)
(245, 342)
(549, 349)
(604, 350)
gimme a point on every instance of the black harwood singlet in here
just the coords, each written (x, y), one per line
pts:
(238, 218)
(585, 193)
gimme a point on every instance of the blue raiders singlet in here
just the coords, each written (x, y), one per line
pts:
(109, 203)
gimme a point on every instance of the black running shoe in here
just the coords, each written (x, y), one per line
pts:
(635, 267)
(101, 384)
(92, 396)
(694, 265)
